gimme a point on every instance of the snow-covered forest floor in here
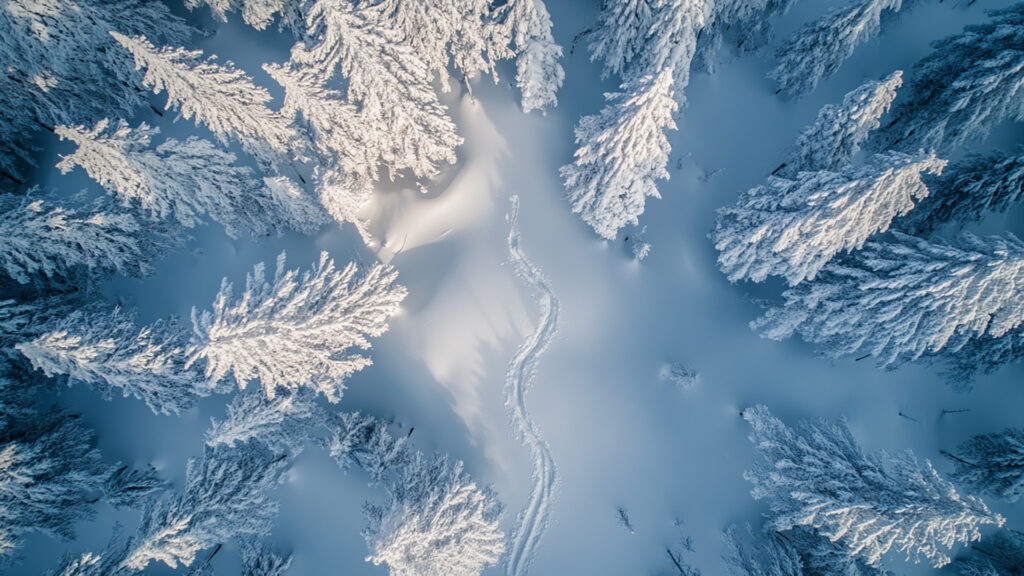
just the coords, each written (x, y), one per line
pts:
(620, 435)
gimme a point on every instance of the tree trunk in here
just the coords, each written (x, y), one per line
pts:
(675, 561)
(957, 459)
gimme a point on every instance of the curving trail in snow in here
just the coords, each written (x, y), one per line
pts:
(532, 521)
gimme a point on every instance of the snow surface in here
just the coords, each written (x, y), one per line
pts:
(620, 436)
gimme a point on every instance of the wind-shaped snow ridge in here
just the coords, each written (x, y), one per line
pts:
(533, 520)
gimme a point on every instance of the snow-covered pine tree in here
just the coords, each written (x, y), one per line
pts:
(221, 97)
(992, 464)
(259, 560)
(365, 441)
(334, 126)
(110, 352)
(181, 180)
(906, 297)
(282, 424)
(816, 51)
(50, 472)
(816, 475)
(296, 330)
(768, 554)
(968, 84)
(460, 32)
(61, 66)
(623, 150)
(671, 44)
(1001, 555)
(226, 496)
(290, 205)
(89, 564)
(436, 521)
(637, 38)
(969, 191)
(821, 556)
(16, 403)
(25, 320)
(344, 195)
(128, 487)
(257, 13)
(796, 552)
(37, 239)
(620, 34)
(15, 125)
(982, 355)
(527, 26)
(792, 228)
(836, 135)
(389, 82)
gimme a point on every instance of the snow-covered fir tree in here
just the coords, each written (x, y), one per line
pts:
(60, 53)
(1001, 555)
(527, 25)
(771, 554)
(671, 43)
(443, 32)
(110, 352)
(651, 45)
(282, 424)
(24, 320)
(639, 38)
(15, 149)
(226, 496)
(969, 191)
(792, 228)
(128, 487)
(285, 199)
(982, 355)
(797, 552)
(905, 297)
(297, 329)
(623, 150)
(817, 476)
(821, 556)
(334, 125)
(61, 66)
(344, 195)
(38, 239)
(620, 33)
(182, 180)
(219, 96)
(365, 441)
(970, 83)
(50, 472)
(992, 464)
(257, 13)
(436, 521)
(388, 81)
(836, 135)
(90, 564)
(259, 560)
(816, 51)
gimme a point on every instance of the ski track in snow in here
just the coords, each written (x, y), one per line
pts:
(532, 521)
